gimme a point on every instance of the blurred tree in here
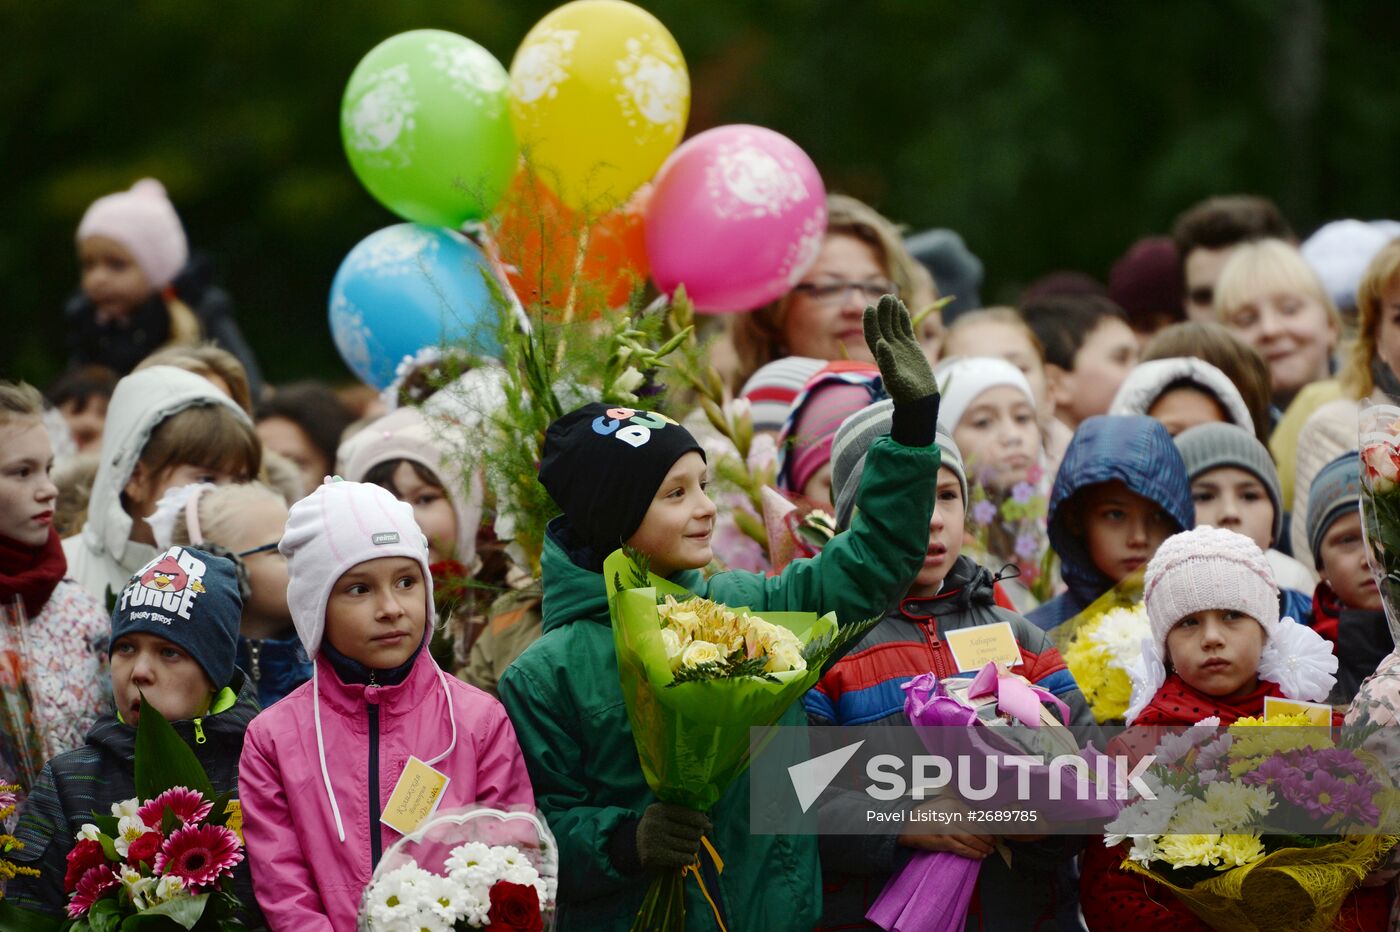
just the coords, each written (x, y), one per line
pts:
(1050, 136)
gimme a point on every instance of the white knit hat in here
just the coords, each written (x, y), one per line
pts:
(144, 221)
(962, 378)
(334, 528)
(1215, 569)
(1208, 568)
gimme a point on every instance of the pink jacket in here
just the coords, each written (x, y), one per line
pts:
(306, 796)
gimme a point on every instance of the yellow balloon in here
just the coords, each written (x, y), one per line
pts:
(599, 97)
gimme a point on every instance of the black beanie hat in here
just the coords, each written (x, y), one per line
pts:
(602, 465)
(191, 599)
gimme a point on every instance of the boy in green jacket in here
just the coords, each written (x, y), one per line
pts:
(622, 475)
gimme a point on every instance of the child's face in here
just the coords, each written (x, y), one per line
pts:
(999, 437)
(1236, 500)
(1217, 652)
(1183, 408)
(144, 489)
(1342, 560)
(677, 528)
(818, 488)
(1101, 364)
(112, 280)
(1122, 530)
(259, 523)
(432, 509)
(85, 421)
(945, 536)
(27, 494)
(285, 436)
(377, 612)
(170, 679)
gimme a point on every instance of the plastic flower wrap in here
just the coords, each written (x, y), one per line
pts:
(469, 868)
(162, 860)
(1015, 531)
(22, 747)
(1259, 827)
(932, 891)
(1380, 502)
(692, 702)
(1100, 653)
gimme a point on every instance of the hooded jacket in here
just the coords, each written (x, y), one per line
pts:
(564, 696)
(864, 688)
(103, 556)
(1148, 381)
(318, 767)
(1133, 449)
(102, 772)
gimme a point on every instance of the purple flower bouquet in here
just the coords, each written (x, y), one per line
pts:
(932, 892)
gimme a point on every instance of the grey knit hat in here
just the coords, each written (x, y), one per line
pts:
(1335, 492)
(853, 440)
(1211, 446)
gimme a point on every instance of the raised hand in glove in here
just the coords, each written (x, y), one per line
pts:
(668, 836)
(905, 370)
(890, 335)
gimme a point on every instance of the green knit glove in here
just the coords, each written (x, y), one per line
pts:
(890, 335)
(668, 836)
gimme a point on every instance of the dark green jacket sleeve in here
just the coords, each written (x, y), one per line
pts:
(865, 571)
(43, 828)
(546, 727)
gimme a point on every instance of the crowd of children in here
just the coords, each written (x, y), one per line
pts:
(1188, 444)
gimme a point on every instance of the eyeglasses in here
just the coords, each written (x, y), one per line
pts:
(834, 292)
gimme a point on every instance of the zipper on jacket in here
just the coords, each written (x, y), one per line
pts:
(199, 731)
(255, 660)
(376, 844)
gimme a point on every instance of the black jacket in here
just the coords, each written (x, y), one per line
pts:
(103, 771)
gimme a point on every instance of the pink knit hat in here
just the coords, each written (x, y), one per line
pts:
(144, 221)
(833, 394)
(334, 528)
(1208, 568)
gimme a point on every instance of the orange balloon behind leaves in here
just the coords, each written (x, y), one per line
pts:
(538, 238)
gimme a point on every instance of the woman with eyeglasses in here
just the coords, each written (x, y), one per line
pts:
(862, 258)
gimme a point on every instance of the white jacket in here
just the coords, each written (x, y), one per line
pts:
(103, 556)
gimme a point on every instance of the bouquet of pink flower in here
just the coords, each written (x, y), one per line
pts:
(168, 856)
(162, 860)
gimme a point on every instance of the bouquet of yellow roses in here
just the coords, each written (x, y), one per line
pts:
(696, 676)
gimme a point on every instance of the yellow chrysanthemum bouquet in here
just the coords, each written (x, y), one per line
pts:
(1260, 828)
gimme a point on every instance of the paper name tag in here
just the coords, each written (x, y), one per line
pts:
(415, 797)
(1318, 713)
(974, 648)
(234, 823)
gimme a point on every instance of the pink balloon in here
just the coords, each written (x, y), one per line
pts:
(737, 215)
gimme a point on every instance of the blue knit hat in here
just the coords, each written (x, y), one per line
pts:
(190, 598)
(1335, 492)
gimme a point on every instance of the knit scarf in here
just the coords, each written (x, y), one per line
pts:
(1177, 703)
(32, 573)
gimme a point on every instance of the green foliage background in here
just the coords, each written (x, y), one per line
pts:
(1049, 135)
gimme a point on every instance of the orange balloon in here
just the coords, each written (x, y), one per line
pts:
(538, 237)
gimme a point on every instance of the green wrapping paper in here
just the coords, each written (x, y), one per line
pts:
(693, 738)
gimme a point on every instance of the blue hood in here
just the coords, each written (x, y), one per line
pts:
(1133, 449)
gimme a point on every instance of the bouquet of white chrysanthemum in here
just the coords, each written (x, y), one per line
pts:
(1100, 653)
(475, 869)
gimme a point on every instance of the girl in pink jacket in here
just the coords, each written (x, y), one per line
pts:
(319, 766)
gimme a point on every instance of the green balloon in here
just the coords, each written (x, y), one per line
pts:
(426, 125)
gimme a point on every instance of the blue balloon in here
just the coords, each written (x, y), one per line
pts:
(406, 287)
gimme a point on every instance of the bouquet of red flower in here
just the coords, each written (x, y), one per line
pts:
(162, 860)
